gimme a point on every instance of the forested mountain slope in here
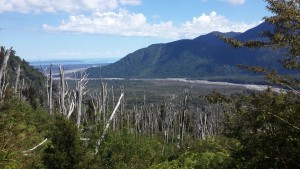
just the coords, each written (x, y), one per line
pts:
(28, 73)
(204, 56)
(30, 81)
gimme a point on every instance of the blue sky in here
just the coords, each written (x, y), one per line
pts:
(108, 30)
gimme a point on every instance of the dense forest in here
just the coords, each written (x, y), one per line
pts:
(46, 123)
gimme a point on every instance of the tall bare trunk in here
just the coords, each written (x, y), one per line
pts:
(50, 91)
(63, 91)
(3, 84)
(4, 64)
(80, 86)
(17, 80)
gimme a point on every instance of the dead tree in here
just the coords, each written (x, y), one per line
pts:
(71, 103)
(50, 102)
(109, 121)
(26, 152)
(80, 86)
(63, 91)
(104, 100)
(66, 98)
(46, 84)
(3, 84)
(182, 117)
(113, 107)
(17, 80)
(4, 64)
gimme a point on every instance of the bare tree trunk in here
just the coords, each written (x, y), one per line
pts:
(4, 64)
(109, 121)
(46, 84)
(22, 88)
(182, 115)
(35, 147)
(63, 91)
(3, 88)
(71, 101)
(17, 79)
(104, 101)
(4, 85)
(80, 86)
(113, 106)
(50, 91)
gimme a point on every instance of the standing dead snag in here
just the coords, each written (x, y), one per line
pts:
(71, 103)
(63, 91)
(67, 98)
(50, 91)
(182, 115)
(46, 82)
(3, 71)
(4, 64)
(104, 101)
(17, 80)
(80, 86)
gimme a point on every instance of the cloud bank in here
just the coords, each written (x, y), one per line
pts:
(124, 23)
(110, 17)
(69, 6)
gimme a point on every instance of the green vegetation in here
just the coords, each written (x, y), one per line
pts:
(66, 150)
(267, 127)
(21, 128)
(235, 130)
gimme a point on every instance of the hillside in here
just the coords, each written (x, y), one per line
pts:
(31, 82)
(202, 57)
(31, 76)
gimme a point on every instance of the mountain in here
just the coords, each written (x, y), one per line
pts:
(30, 75)
(202, 57)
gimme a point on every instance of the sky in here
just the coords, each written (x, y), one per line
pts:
(107, 30)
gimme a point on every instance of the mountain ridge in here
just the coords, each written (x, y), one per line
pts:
(201, 57)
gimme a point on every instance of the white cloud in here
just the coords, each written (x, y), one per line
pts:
(130, 2)
(125, 23)
(122, 23)
(235, 2)
(69, 6)
(212, 22)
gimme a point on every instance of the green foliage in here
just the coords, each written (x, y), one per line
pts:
(33, 88)
(21, 128)
(203, 154)
(267, 126)
(284, 38)
(267, 123)
(66, 149)
(286, 33)
(124, 150)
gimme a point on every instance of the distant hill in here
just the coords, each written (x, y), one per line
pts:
(31, 76)
(203, 57)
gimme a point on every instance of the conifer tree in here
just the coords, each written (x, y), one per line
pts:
(267, 123)
(66, 149)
